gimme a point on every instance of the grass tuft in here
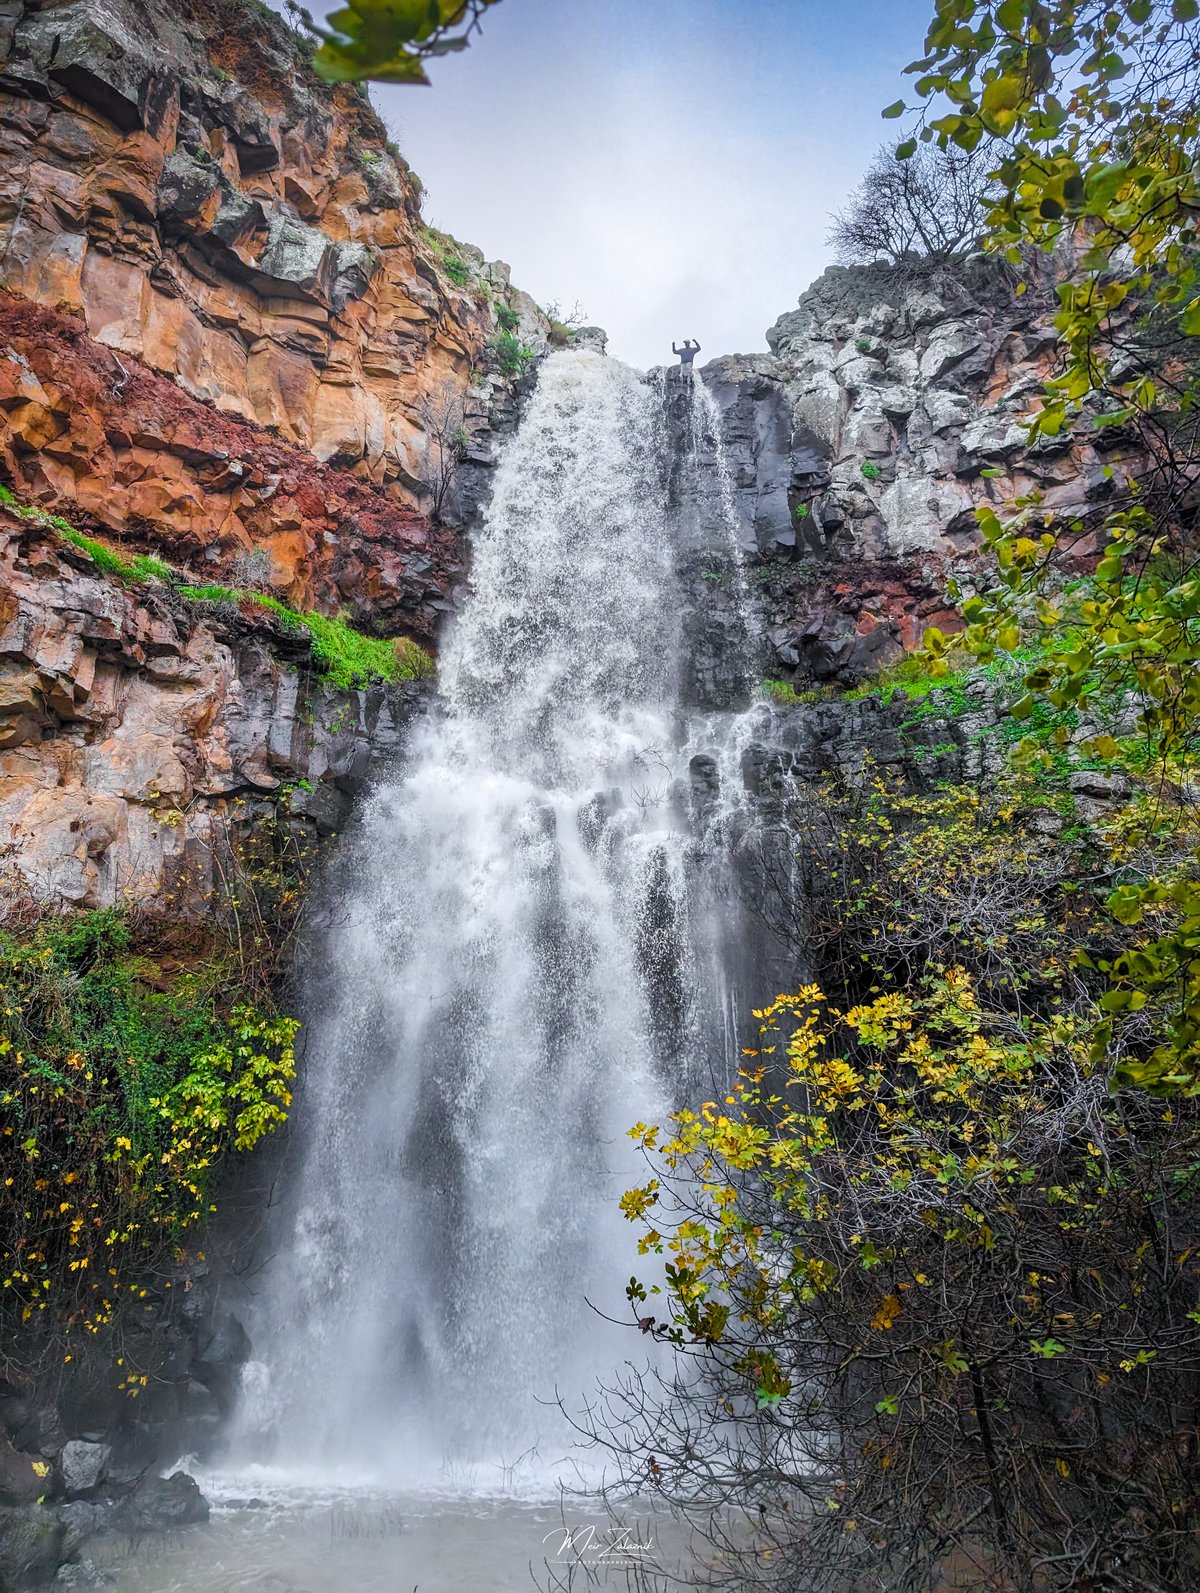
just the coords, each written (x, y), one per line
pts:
(349, 659)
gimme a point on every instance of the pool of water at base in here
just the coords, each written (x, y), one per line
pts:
(325, 1541)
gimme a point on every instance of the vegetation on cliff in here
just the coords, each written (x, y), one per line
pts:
(347, 657)
(927, 1236)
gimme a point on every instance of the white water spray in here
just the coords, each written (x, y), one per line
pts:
(515, 973)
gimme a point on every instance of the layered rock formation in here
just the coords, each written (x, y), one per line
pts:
(226, 341)
(177, 178)
(142, 731)
(116, 449)
(889, 409)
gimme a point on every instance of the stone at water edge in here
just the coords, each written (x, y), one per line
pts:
(31, 1546)
(83, 1465)
(161, 1502)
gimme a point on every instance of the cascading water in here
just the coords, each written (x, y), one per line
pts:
(521, 963)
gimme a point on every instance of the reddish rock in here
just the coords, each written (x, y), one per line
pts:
(188, 187)
(139, 461)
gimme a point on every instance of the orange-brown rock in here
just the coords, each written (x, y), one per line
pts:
(179, 179)
(113, 447)
(227, 339)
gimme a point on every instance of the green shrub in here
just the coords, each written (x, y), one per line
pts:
(448, 256)
(863, 345)
(348, 659)
(870, 469)
(511, 354)
(506, 316)
(123, 1085)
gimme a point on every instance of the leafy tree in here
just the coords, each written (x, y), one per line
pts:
(1091, 115)
(390, 40)
(927, 1276)
(929, 1285)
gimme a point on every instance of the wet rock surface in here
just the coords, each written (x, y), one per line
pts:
(116, 450)
(105, 1465)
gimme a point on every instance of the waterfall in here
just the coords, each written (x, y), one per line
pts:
(519, 962)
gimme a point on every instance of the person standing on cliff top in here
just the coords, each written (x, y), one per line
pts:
(688, 352)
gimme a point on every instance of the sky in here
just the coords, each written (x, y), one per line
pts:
(669, 165)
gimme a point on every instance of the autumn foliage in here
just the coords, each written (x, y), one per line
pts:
(121, 1092)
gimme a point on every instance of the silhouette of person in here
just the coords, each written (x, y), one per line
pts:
(688, 352)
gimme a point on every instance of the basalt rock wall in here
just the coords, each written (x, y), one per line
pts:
(142, 733)
(229, 342)
(893, 405)
(178, 178)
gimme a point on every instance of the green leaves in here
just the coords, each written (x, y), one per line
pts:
(124, 1085)
(390, 40)
(1002, 99)
(897, 108)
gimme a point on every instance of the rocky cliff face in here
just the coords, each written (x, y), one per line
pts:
(143, 732)
(887, 411)
(177, 178)
(228, 342)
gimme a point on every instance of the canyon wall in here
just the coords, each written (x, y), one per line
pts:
(228, 343)
(243, 387)
(891, 406)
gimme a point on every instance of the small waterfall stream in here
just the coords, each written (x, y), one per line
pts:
(523, 956)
